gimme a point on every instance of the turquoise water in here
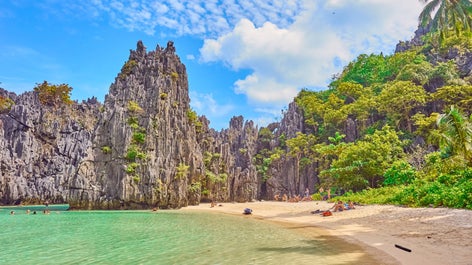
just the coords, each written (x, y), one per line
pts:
(163, 237)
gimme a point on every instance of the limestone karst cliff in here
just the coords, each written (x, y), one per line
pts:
(143, 147)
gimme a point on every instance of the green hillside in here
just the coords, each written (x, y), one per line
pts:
(397, 129)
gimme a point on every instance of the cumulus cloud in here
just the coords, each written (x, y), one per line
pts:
(283, 45)
(323, 37)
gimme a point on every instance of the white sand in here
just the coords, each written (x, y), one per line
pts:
(434, 235)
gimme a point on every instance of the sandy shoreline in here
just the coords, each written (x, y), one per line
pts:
(434, 235)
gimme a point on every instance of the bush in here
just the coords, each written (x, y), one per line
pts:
(139, 137)
(134, 107)
(53, 95)
(399, 173)
(5, 104)
(106, 149)
(131, 153)
(127, 68)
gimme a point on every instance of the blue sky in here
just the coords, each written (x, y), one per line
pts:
(243, 57)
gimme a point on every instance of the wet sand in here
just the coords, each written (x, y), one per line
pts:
(433, 235)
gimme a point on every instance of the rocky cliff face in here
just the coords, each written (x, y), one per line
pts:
(287, 176)
(145, 147)
(142, 148)
(43, 149)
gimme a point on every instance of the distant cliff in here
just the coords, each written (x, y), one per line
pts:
(143, 147)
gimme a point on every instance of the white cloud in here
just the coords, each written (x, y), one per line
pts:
(322, 38)
(285, 44)
(198, 17)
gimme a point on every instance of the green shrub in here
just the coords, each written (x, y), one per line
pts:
(131, 168)
(174, 75)
(139, 137)
(131, 153)
(106, 149)
(316, 197)
(182, 171)
(53, 95)
(5, 104)
(399, 173)
(136, 179)
(134, 107)
(127, 68)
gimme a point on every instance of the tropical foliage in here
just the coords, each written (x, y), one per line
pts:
(410, 136)
(5, 104)
(53, 95)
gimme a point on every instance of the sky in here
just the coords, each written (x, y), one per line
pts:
(243, 57)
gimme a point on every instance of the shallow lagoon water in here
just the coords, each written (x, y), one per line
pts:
(163, 237)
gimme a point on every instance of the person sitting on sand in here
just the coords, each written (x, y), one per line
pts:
(349, 205)
(339, 206)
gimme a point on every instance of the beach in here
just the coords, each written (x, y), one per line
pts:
(396, 235)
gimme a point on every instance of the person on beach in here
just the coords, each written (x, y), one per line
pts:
(307, 193)
(339, 206)
(349, 205)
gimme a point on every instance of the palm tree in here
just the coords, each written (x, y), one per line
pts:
(448, 15)
(456, 133)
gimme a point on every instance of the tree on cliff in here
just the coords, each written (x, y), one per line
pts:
(5, 104)
(448, 15)
(53, 95)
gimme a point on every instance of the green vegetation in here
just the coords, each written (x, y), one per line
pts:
(193, 119)
(134, 154)
(410, 134)
(449, 16)
(5, 104)
(174, 76)
(182, 171)
(106, 149)
(127, 68)
(134, 107)
(53, 95)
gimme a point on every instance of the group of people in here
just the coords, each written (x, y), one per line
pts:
(296, 198)
(340, 206)
(28, 211)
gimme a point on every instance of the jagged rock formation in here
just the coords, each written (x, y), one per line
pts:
(139, 149)
(461, 56)
(43, 148)
(145, 147)
(286, 174)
